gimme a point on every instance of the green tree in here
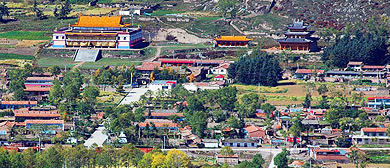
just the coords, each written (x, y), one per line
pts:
(3, 11)
(358, 158)
(322, 89)
(38, 12)
(90, 93)
(281, 160)
(226, 6)
(245, 164)
(177, 159)
(258, 160)
(130, 155)
(55, 95)
(307, 103)
(226, 151)
(65, 10)
(55, 70)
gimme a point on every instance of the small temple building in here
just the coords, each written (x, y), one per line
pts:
(298, 38)
(98, 32)
(232, 41)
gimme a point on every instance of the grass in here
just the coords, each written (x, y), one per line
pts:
(109, 97)
(164, 12)
(209, 18)
(6, 56)
(107, 61)
(263, 89)
(51, 61)
(24, 35)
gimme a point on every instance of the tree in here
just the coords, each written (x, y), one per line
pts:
(281, 160)
(55, 70)
(307, 103)
(3, 11)
(71, 92)
(226, 151)
(226, 6)
(322, 89)
(119, 88)
(245, 164)
(358, 158)
(90, 93)
(343, 142)
(176, 158)
(38, 13)
(65, 10)
(53, 157)
(258, 160)
(259, 68)
(55, 95)
(130, 155)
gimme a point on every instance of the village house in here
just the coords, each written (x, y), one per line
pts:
(210, 143)
(147, 67)
(227, 159)
(28, 113)
(57, 124)
(162, 114)
(220, 70)
(38, 88)
(255, 132)
(162, 85)
(371, 136)
(326, 155)
(240, 142)
(17, 104)
(172, 127)
(355, 66)
(307, 73)
(202, 86)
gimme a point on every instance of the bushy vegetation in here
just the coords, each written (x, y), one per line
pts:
(4, 56)
(368, 48)
(259, 68)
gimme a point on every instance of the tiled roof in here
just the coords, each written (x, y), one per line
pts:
(40, 78)
(27, 113)
(308, 71)
(44, 121)
(163, 114)
(99, 21)
(159, 124)
(33, 88)
(298, 163)
(261, 115)
(331, 157)
(378, 129)
(149, 66)
(373, 67)
(355, 63)
(19, 102)
(233, 38)
(228, 156)
(251, 128)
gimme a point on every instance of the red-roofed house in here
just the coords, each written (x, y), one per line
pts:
(227, 159)
(371, 136)
(355, 66)
(26, 113)
(307, 73)
(5, 128)
(148, 67)
(255, 132)
(172, 127)
(374, 68)
(17, 104)
(219, 77)
(162, 85)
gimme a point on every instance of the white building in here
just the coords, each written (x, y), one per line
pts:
(371, 136)
(162, 85)
(221, 69)
(201, 86)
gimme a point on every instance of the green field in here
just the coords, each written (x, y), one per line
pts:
(5, 56)
(51, 61)
(164, 12)
(108, 61)
(25, 35)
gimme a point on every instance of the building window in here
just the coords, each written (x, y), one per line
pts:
(124, 38)
(63, 37)
(56, 37)
(164, 87)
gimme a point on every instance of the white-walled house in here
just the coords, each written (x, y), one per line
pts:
(162, 85)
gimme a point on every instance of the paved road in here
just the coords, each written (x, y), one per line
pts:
(97, 137)
(134, 95)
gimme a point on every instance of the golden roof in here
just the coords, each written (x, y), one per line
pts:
(100, 21)
(233, 38)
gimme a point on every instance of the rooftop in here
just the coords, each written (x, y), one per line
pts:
(159, 124)
(308, 71)
(355, 63)
(44, 121)
(294, 40)
(149, 66)
(40, 78)
(19, 102)
(373, 67)
(378, 129)
(233, 38)
(164, 82)
(34, 88)
(100, 21)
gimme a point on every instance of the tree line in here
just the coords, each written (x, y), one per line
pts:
(365, 47)
(79, 156)
(259, 68)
